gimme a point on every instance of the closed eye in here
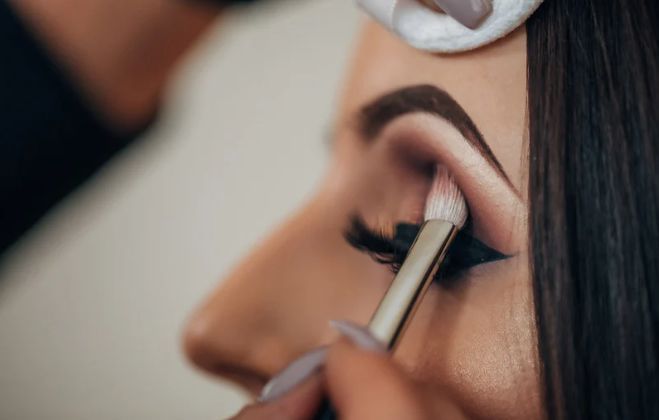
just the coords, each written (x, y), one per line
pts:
(465, 252)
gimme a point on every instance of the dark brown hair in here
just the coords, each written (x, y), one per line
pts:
(593, 79)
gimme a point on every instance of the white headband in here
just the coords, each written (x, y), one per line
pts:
(429, 30)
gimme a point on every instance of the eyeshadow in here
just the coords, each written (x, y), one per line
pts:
(465, 252)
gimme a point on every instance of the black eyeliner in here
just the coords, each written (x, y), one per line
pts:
(465, 252)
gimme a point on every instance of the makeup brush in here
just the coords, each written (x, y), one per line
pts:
(445, 213)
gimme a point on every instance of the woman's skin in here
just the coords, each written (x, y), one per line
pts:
(120, 54)
(470, 350)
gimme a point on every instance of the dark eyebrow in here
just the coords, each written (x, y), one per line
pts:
(374, 116)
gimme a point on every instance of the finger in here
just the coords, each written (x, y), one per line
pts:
(368, 385)
(469, 13)
(298, 404)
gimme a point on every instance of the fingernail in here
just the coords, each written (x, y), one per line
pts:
(380, 10)
(294, 374)
(470, 13)
(359, 336)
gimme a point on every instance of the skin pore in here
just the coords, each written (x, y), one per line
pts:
(471, 342)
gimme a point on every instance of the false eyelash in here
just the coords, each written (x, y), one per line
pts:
(385, 250)
(465, 252)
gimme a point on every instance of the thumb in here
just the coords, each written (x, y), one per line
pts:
(364, 383)
(298, 404)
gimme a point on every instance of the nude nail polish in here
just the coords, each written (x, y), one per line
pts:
(470, 13)
(294, 374)
(311, 362)
(359, 336)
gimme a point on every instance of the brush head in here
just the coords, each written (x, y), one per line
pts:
(445, 200)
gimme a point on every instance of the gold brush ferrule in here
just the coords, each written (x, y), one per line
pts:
(410, 284)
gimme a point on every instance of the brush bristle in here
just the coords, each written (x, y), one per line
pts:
(445, 200)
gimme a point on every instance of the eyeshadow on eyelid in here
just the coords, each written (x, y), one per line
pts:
(374, 116)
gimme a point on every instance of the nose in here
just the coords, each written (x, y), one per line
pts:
(277, 303)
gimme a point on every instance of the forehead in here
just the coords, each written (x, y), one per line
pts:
(489, 83)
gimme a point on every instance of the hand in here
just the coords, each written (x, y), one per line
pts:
(120, 55)
(362, 384)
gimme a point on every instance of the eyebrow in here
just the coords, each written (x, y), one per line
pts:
(374, 116)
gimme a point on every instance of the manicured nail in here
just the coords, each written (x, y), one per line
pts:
(294, 374)
(359, 336)
(470, 13)
(380, 10)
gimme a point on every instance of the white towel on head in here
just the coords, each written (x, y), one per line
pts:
(429, 30)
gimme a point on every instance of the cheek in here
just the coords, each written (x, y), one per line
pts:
(474, 344)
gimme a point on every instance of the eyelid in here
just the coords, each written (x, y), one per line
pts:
(494, 206)
(432, 101)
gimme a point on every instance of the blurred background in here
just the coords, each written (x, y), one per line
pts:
(93, 300)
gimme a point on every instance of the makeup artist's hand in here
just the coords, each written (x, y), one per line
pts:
(362, 384)
(120, 55)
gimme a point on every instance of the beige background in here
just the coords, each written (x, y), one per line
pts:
(93, 301)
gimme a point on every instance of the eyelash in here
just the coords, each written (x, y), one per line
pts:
(465, 252)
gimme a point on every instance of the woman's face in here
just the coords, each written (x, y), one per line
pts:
(472, 338)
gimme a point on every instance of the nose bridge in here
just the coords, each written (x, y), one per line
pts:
(277, 302)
